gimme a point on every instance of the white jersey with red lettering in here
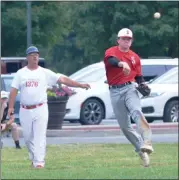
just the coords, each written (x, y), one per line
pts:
(33, 84)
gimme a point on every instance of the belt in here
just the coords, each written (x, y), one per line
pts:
(32, 107)
(119, 85)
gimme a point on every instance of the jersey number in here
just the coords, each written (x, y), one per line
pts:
(31, 84)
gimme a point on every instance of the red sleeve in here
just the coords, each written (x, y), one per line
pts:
(108, 53)
(139, 68)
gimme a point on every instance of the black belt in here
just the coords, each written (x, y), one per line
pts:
(119, 85)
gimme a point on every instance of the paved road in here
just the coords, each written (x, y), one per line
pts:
(104, 122)
(157, 138)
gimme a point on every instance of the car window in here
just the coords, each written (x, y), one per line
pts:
(83, 70)
(7, 83)
(12, 67)
(168, 67)
(167, 78)
(78, 75)
(42, 64)
(151, 71)
(93, 76)
(79, 72)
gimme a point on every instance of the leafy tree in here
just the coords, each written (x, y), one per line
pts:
(95, 26)
(49, 23)
(72, 35)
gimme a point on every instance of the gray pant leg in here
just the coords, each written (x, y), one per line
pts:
(133, 105)
(122, 114)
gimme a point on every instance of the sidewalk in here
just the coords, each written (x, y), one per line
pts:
(105, 130)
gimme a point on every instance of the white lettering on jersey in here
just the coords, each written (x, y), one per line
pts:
(133, 60)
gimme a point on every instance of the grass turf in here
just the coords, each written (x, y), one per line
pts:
(92, 161)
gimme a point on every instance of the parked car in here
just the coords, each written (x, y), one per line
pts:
(151, 68)
(90, 107)
(6, 81)
(93, 105)
(12, 64)
(163, 100)
(86, 70)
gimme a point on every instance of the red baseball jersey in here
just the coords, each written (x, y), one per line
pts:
(115, 75)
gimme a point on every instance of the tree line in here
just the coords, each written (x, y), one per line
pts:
(71, 35)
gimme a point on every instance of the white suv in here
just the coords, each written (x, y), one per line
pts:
(151, 68)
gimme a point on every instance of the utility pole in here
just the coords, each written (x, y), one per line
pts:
(29, 24)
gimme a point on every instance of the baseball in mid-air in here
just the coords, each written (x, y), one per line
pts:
(157, 15)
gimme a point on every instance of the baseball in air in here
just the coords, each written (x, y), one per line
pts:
(157, 15)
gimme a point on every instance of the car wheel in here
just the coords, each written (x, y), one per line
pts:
(92, 112)
(171, 112)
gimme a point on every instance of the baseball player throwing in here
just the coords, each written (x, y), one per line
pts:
(33, 80)
(123, 70)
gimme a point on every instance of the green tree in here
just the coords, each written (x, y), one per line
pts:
(72, 35)
(95, 26)
(49, 24)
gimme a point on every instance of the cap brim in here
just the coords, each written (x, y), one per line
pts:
(4, 97)
(33, 52)
(126, 36)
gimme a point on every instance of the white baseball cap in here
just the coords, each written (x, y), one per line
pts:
(4, 95)
(125, 32)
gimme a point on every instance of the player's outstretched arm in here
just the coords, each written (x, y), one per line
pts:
(69, 82)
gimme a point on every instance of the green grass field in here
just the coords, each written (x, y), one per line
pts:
(101, 161)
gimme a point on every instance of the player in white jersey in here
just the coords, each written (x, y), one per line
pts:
(33, 80)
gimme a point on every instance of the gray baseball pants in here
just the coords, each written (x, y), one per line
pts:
(126, 104)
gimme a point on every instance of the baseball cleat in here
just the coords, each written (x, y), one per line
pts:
(145, 158)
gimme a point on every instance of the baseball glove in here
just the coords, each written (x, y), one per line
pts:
(144, 89)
